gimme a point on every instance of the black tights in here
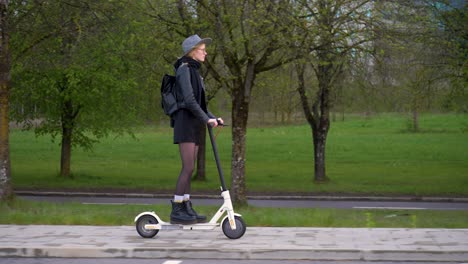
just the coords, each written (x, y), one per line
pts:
(188, 154)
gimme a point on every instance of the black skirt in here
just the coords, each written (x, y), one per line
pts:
(187, 128)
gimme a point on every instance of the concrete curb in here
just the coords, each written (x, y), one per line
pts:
(247, 254)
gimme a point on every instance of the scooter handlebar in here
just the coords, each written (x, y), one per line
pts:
(219, 123)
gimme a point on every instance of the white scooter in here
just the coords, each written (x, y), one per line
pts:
(148, 224)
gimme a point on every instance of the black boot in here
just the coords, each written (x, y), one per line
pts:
(179, 215)
(190, 211)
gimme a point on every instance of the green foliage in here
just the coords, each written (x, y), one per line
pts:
(420, 61)
(84, 73)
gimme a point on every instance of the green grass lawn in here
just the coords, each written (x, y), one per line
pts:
(28, 212)
(365, 156)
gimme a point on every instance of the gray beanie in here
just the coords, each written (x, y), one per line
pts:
(192, 41)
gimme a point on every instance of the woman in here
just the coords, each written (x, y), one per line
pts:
(189, 122)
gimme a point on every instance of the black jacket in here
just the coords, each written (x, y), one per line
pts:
(191, 89)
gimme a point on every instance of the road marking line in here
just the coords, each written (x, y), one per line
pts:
(391, 208)
(115, 204)
(172, 262)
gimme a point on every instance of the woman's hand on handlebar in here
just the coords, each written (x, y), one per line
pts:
(212, 122)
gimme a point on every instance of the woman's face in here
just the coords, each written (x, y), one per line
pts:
(199, 53)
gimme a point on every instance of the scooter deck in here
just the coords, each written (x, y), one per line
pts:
(169, 226)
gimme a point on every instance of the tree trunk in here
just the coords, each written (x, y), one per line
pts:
(318, 117)
(239, 131)
(321, 131)
(65, 157)
(240, 114)
(6, 189)
(67, 132)
(319, 136)
(415, 120)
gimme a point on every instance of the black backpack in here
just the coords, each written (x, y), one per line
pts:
(168, 94)
(169, 101)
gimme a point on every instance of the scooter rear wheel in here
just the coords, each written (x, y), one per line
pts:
(238, 232)
(140, 226)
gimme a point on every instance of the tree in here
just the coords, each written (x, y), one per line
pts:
(340, 28)
(250, 37)
(276, 94)
(424, 60)
(6, 189)
(452, 18)
(74, 72)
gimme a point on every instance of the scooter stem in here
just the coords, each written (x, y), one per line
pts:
(218, 164)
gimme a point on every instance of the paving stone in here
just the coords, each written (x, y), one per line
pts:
(372, 244)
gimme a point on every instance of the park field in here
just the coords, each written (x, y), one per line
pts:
(375, 155)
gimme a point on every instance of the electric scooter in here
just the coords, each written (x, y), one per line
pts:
(148, 224)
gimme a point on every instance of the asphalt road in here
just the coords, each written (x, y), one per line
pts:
(276, 203)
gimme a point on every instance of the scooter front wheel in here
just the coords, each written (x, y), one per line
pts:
(238, 232)
(140, 226)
